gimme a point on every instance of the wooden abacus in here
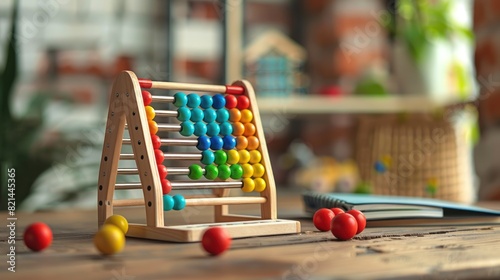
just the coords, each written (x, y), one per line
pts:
(227, 161)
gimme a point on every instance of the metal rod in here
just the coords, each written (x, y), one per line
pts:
(159, 98)
(186, 185)
(169, 127)
(177, 156)
(166, 113)
(170, 171)
(170, 142)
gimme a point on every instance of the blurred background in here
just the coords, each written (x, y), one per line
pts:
(368, 96)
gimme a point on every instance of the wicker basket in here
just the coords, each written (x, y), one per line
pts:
(413, 156)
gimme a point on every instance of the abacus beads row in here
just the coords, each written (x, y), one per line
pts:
(217, 101)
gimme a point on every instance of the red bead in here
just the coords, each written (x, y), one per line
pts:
(156, 140)
(243, 102)
(147, 97)
(145, 83)
(322, 219)
(159, 156)
(360, 218)
(166, 186)
(162, 170)
(231, 101)
(37, 236)
(215, 240)
(337, 211)
(344, 226)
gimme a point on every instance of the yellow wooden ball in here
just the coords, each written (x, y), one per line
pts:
(119, 221)
(109, 240)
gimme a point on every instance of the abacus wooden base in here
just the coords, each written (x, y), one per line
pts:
(193, 233)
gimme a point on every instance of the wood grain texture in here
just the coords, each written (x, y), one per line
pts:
(437, 252)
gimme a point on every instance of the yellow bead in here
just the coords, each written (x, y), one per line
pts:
(253, 143)
(248, 185)
(246, 116)
(247, 170)
(260, 184)
(109, 239)
(244, 156)
(255, 156)
(249, 129)
(153, 127)
(119, 221)
(150, 112)
(232, 156)
(258, 170)
(234, 115)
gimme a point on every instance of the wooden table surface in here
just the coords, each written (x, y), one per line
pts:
(437, 252)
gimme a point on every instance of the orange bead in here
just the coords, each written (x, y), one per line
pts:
(153, 127)
(249, 129)
(241, 142)
(246, 116)
(255, 156)
(238, 129)
(258, 170)
(234, 115)
(150, 112)
(253, 143)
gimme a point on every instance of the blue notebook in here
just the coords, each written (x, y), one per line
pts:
(378, 207)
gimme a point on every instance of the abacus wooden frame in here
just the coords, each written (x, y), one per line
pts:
(126, 106)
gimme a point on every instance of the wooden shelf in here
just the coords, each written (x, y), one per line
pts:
(349, 104)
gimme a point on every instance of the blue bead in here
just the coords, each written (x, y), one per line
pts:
(183, 113)
(196, 115)
(209, 115)
(229, 142)
(180, 99)
(168, 202)
(206, 101)
(222, 115)
(207, 157)
(218, 101)
(216, 143)
(179, 202)
(379, 167)
(187, 128)
(200, 128)
(193, 100)
(226, 129)
(213, 129)
(203, 143)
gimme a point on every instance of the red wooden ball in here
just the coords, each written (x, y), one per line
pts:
(243, 102)
(360, 218)
(322, 219)
(146, 97)
(166, 186)
(344, 226)
(159, 156)
(162, 170)
(156, 141)
(37, 236)
(337, 211)
(215, 240)
(231, 101)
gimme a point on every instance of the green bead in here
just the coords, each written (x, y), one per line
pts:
(211, 172)
(224, 172)
(195, 172)
(236, 171)
(220, 157)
